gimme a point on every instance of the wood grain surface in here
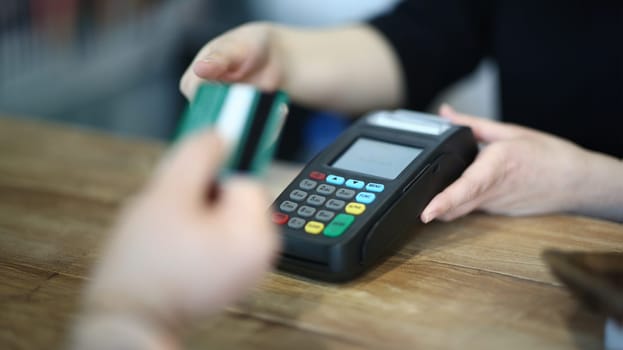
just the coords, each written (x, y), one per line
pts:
(476, 283)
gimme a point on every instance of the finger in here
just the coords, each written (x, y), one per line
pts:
(190, 167)
(244, 204)
(208, 68)
(246, 197)
(460, 194)
(216, 61)
(484, 130)
(213, 66)
(469, 187)
(461, 210)
(189, 84)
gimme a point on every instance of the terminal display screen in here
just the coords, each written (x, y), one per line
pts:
(376, 158)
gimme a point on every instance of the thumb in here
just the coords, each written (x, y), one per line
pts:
(190, 167)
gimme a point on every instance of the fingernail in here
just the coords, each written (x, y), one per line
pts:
(445, 107)
(427, 217)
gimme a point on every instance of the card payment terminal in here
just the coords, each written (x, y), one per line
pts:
(362, 196)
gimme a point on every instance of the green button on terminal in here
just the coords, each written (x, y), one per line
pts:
(340, 224)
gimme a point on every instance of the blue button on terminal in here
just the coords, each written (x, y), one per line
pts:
(357, 184)
(374, 187)
(365, 197)
(335, 180)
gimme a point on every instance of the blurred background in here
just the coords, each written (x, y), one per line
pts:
(114, 65)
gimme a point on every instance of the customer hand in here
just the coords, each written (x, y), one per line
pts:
(177, 256)
(519, 171)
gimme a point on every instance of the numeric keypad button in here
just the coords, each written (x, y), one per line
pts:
(345, 193)
(335, 204)
(298, 195)
(307, 184)
(288, 206)
(306, 211)
(325, 189)
(316, 200)
(296, 223)
(324, 215)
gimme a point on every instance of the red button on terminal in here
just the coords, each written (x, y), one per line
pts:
(316, 175)
(280, 218)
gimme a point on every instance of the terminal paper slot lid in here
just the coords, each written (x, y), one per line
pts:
(409, 121)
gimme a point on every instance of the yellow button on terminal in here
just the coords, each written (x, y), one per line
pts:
(355, 208)
(314, 227)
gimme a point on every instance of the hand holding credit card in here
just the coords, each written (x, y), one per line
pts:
(248, 120)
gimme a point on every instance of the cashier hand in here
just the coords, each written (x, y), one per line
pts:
(244, 54)
(176, 256)
(521, 171)
(318, 68)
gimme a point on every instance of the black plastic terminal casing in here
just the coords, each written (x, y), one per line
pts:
(395, 213)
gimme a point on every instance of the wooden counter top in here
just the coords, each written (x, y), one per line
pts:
(476, 283)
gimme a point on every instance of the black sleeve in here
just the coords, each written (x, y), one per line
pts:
(437, 42)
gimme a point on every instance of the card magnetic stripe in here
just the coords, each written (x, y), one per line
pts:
(270, 135)
(252, 124)
(260, 134)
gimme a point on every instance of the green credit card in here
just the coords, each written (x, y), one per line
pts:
(249, 121)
